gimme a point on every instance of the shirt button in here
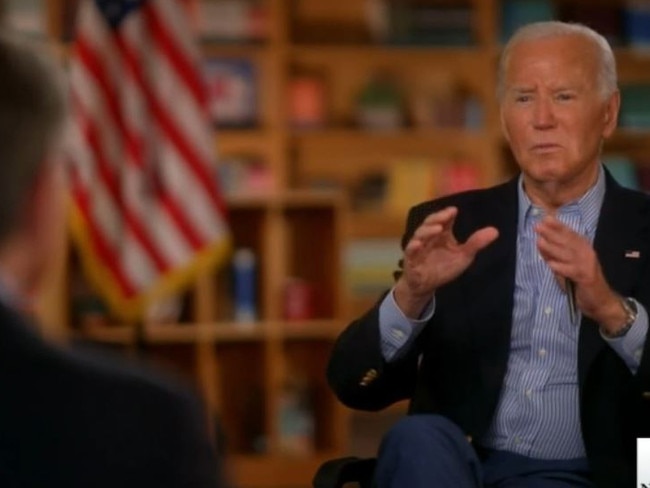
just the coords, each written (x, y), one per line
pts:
(548, 310)
(541, 353)
(535, 211)
(517, 439)
(397, 334)
(529, 393)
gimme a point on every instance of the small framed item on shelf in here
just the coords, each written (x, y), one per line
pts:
(230, 20)
(307, 104)
(379, 104)
(232, 88)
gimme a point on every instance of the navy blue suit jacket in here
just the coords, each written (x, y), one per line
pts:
(72, 420)
(464, 349)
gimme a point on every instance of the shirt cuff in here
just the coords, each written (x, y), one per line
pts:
(630, 346)
(396, 330)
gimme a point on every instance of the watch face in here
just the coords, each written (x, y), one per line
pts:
(631, 310)
(631, 304)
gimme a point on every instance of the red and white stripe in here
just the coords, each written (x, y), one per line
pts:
(142, 154)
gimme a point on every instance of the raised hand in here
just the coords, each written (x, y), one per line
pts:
(433, 257)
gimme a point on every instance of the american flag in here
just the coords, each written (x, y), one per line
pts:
(147, 213)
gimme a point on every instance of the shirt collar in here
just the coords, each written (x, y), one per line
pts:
(588, 205)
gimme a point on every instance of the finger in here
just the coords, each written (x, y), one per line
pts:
(551, 228)
(443, 217)
(564, 270)
(423, 237)
(561, 281)
(424, 232)
(480, 239)
(555, 250)
(442, 222)
(557, 232)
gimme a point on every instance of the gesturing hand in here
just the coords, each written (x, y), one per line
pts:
(570, 255)
(433, 257)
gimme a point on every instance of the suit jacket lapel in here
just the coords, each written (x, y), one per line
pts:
(489, 287)
(623, 218)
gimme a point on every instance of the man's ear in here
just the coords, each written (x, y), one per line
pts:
(612, 108)
(504, 129)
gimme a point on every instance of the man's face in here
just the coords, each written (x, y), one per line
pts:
(552, 112)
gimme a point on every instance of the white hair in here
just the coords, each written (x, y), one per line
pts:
(607, 82)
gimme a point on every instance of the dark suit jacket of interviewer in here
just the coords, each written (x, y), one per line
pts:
(73, 420)
(463, 351)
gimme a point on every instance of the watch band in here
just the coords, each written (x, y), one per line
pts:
(632, 312)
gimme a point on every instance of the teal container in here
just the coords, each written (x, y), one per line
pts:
(516, 13)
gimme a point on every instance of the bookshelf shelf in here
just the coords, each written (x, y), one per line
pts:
(253, 50)
(312, 329)
(227, 332)
(366, 224)
(439, 136)
(237, 141)
(113, 334)
(332, 53)
(205, 332)
(288, 199)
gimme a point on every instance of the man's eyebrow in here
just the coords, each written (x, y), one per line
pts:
(521, 89)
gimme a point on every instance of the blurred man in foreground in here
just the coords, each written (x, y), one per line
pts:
(68, 420)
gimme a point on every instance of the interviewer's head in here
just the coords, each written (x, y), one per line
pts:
(32, 112)
(559, 100)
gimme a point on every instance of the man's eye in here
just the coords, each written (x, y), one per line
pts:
(522, 98)
(565, 96)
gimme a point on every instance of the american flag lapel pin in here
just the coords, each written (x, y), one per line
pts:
(632, 254)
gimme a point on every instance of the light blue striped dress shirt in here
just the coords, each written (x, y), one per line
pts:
(538, 411)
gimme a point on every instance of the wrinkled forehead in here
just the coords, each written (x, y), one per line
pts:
(559, 60)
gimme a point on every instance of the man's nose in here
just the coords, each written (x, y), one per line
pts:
(543, 114)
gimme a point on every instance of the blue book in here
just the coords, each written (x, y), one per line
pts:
(636, 17)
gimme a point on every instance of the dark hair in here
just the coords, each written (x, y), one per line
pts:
(32, 110)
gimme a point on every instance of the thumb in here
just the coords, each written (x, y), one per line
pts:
(480, 239)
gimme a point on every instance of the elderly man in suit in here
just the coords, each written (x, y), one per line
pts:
(517, 326)
(68, 419)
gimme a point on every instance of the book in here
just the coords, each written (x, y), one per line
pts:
(623, 170)
(635, 106)
(458, 176)
(636, 15)
(410, 181)
(605, 19)
(516, 13)
(369, 264)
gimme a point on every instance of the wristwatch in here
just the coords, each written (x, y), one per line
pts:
(631, 313)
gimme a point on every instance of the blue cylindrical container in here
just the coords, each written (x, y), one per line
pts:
(244, 275)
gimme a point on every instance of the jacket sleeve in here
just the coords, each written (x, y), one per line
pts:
(357, 372)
